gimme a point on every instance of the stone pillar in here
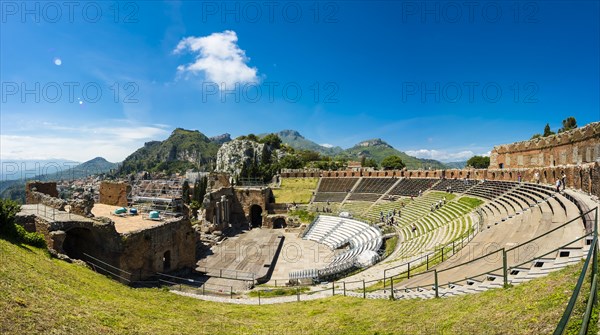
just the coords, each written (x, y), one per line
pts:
(225, 208)
(218, 212)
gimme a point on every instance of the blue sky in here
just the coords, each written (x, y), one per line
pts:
(437, 79)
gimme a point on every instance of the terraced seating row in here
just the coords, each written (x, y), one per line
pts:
(526, 211)
(412, 186)
(364, 197)
(336, 232)
(553, 249)
(455, 185)
(527, 197)
(356, 208)
(490, 189)
(412, 211)
(336, 184)
(433, 220)
(329, 196)
(430, 240)
(375, 185)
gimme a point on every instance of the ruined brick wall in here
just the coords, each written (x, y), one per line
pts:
(34, 197)
(114, 193)
(168, 247)
(585, 177)
(139, 253)
(248, 197)
(575, 147)
(48, 188)
(240, 202)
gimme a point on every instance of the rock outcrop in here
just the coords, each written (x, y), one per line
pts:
(232, 156)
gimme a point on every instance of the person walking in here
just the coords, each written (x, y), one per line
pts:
(536, 177)
(563, 180)
(557, 185)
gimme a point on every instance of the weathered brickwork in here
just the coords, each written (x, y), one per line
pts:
(575, 147)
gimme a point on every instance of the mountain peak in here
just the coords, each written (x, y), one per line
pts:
(220, 139)
(290, 133)
(373, 143)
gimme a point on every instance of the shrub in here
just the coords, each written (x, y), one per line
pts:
(15, 232)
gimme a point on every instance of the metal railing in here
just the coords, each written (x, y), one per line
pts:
(592, 299)
(107, 269)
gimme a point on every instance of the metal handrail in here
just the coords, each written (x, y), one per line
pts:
(593, 296)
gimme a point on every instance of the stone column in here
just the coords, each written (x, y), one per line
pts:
(218, 212)
(225, 205)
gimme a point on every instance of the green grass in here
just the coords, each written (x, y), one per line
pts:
(471, 202)
(298, 190)
(390, 245)
(40, 295)
(304, 215)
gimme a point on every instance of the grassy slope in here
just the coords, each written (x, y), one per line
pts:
(297, 190)
(43, 295)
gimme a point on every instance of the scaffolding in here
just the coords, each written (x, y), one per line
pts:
(161, 195)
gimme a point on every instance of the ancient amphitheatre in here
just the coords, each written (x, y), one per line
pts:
(416, 241)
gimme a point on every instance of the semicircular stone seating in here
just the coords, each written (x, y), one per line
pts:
(354, 236)
(513, 213)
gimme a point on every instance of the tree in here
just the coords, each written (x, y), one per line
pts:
(392, 163)
(368, 162)
(568, 124)
(547, 131)
(185, 192)
(290, 162)
(309, 156)
(479, 162)
(272, 140)
(199, 190)
(8, 211)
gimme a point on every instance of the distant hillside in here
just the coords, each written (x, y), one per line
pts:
(14, 169)
(297, 141)
(184, 149)
(221, 139)
(378, 149)
(456, 165)
(15, 189)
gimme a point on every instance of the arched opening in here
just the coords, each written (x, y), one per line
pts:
(167, 261)
(256, 216)
(279, 223)
(79, 241)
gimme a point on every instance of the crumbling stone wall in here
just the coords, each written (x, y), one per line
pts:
(143, 252)
(239, 202)
(574, 147)
(82, 206)
(48, 188)
(138, 254)
(114, 193)
(249, 196)
(585, 177)
(34, 197)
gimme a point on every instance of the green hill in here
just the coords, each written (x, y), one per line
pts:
(15, 189)
(456, 165)
(295, 140)
(378, 149)
(184, 149)
(40, 295)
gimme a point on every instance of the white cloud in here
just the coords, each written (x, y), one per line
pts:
(326, 145)
(442, 155)
(219, 57)
(78, 143)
